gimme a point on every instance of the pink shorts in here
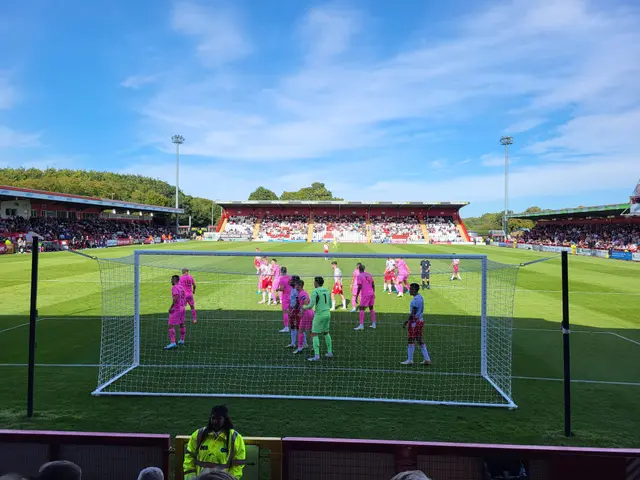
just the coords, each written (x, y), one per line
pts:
(276, 284)
(189, 300)
(402, 277)
(176, 318)
(306, 322)
(367, 300)
(354, 291)
(286, 303)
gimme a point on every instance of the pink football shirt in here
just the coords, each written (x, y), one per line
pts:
(187, 282)
(366, 281)
(178, 291)
(402, 267)
(284, 284)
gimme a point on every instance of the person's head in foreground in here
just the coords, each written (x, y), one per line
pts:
(299, 285)
(411, 475)
(219, 419)
(59, 470)
(361, 268)
(175, 280)
(151, 473)
(318, 282)
(414, 289)
(185, 271)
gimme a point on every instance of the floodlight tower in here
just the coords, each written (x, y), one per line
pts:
(178, 140)
(506, 141)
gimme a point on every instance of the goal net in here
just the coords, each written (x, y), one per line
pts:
(237, 347)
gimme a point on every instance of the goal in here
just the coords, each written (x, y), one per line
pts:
(237, 349)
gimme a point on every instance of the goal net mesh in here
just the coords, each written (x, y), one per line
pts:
(237, 349)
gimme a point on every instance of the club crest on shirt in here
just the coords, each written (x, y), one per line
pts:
(224, 450)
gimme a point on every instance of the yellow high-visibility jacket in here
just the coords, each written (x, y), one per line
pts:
(210, 451)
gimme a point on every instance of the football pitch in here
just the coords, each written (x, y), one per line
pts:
(605, 317)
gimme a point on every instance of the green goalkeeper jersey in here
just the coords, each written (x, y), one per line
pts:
(320, 299)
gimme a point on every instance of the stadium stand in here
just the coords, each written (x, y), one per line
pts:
(385, 230)
(348, 228)
(443, 229)
(286, 227)
(595, 235)
(238, 226)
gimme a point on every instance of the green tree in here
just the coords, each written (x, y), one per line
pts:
(262, 193)
(317, 191)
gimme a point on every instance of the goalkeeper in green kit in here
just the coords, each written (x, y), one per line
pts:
(321, 300)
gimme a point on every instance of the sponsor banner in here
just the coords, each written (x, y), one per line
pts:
(3, 248)
(525, 246)
(120, 242)
(417, 242)
(285, 240)
(234, 239)
(635, 257)
(399, 240)
(211, 236)
(621, 255)
(601, 253)
(112, 243)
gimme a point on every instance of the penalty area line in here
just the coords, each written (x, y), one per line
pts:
(595, 382)
(20, 326)
(624, 338)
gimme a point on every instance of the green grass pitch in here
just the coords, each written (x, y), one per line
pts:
(605, 306)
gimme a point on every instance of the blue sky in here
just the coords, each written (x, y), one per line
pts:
(380, 100)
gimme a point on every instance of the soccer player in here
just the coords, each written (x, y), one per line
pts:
(367, 294)
(294, 311)
(306, 317)
(176, 313)
(425, 273)
(321, 320)
(189, 284)
(455, 263)
(257, 261)
(266, 280)
(335, 243)
(275, 269)
(403, 274)
(285, 294)
(389, 277)
(416, 325)
(337, 287)
(326, 251)
(354, 287)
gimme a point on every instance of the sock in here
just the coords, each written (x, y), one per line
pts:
(301, 339)
(172, 335)
(329, 342)
(183, 331)
(361, 317)
(316, 346)
(193, 314)
(285, 319)
(410, 349)
(294, 336)
(425, 353)
(373, 317)
(344, 303)
(333, 304)
(263, 296)
(305, 338)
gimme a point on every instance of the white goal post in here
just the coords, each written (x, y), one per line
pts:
(237, 347)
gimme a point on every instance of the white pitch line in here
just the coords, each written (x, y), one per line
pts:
(285, 367)
(624, 338)
(19, 326)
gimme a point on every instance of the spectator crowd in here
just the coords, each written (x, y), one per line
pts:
(442, 229)
(288, 227)
(600, 236)
(239, 226)
(84, 233)
(405, 227)
(346, 228)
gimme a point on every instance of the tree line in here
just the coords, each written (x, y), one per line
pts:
(317, 191)
(493, 221)
(115, 186)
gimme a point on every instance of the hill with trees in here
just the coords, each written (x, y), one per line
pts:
(493, 221)
(317, 191)
(117, 186)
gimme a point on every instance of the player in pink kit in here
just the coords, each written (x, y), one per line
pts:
(275, 269)
(257, 261)
(189, 284)
(176, 313)
(403, 275)
(455, 263)
(306, 318)
(285, 289)
(367, 294)
(354, 288)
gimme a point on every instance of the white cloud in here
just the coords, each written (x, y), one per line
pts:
(10, 138)
(8, 93)
(531, 56)
(216, 28)
(493, 160)
(137, 81)
(523, 125)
